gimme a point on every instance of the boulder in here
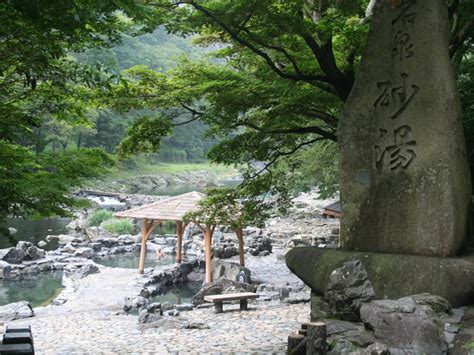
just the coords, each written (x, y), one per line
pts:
(87, 253)
(12, 230)
(437, 303)
(348, 288)
(34, 253)
(5, 269)
(63, 239)
(405, 325)
(229, 270)
(41, 244)
(221, 286)
(69, 248)
(376, 349)
(13, 255)
(86, 270)
(94, 233)
(17, 310)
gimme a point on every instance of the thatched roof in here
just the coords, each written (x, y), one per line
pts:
(170, 209)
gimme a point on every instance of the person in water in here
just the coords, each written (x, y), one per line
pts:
(159, 253)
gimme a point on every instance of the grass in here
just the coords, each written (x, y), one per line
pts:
(173, 169)
(99, 216)
(118, 226)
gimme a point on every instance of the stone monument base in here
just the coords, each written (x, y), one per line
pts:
(392, 275)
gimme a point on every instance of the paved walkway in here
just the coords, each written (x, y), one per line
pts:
(92, 321)
(261, 329)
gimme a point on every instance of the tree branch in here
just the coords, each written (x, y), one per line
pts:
(462, 35)
(312, 79)
(296, 130)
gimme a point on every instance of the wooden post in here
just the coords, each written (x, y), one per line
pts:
(316, 339)
(296, 344)
(141, 265)
(179, 245)
(208, 247)
(240, 236)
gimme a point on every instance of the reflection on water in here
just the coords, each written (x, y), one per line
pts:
(179, 293)
(33, 230)
(38, 289)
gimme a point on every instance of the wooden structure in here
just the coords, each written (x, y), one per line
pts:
(333, 210)
(174, 209)
(219, 300)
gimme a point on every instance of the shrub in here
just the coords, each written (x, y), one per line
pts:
(99, 216)
(118, 226)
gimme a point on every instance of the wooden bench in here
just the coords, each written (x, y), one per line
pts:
(219, 300)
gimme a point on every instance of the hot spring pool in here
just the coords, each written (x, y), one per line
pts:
(39, 289)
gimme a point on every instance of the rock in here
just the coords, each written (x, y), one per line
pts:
(405, 325)
(63, 239)
(229, 270)
(408, 274)
(42, 244)
(154, 307)
(173, 313)
(69, 248)
(86, 270)
(220, 286)
(12, 230)
(297, 297)
(376, 349)
(13, 255)
(184, 307)
(17, 310)
(167, 306)
(348, 288)
(94, 233)
(196, 325)
(437, 303)
(87, 253)
(34, 253)
(126, 239)
(394, 181)
(5, 270)
(149, 317)
(342, 346)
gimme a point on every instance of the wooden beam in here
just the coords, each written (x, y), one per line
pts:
(208, 250)
(240, 236)
(141, 264)
(148, 227)
(180, 226)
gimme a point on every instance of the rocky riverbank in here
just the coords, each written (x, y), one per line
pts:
(157, 183)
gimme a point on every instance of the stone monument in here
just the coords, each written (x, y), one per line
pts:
(404, 175)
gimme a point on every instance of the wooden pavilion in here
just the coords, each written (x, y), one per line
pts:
(174, 209)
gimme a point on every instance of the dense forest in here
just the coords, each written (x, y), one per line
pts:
(106, 128)
(83, 84)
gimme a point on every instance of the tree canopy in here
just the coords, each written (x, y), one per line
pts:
(276, 81)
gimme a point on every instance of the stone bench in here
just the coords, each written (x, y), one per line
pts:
(219, 300)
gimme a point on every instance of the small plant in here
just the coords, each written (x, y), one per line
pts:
(99, 216)
(118, 226)
(469, 346)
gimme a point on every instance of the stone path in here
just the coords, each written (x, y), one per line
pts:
(92, 320)
(262, 329)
